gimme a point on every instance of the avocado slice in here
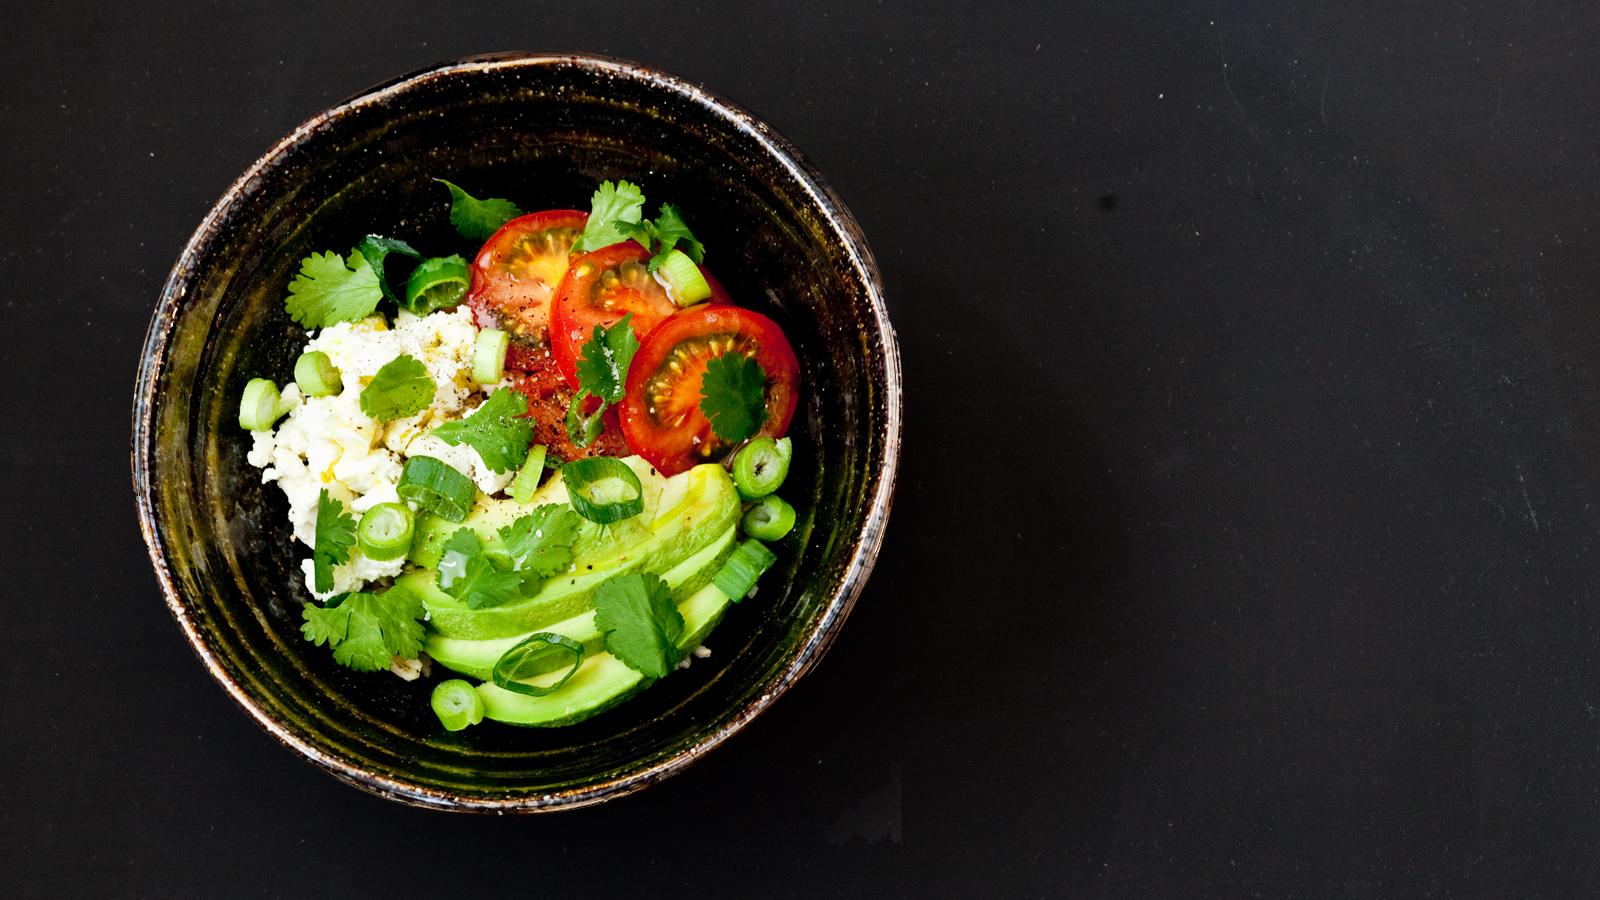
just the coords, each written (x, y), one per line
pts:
(490, 514)
(602, 681)
(478, 657)
(694, 509)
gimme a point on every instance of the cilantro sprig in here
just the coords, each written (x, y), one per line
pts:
(335, 535)
(477, 219)
(733, 396)
(331, 288)
(664, 233)
(602, 374)
(499, 430)
(375, 249)
(531, 549)
(401, 388)
(640, 623)
(367, 631)
(611, 208)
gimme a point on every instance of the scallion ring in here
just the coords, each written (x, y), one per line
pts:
(738, 575)
(489, 356)
(603, 489)
(385, 531)
(437, 488)
(527, 481)
(437, 283)
(260, 406)
(315, 374)
(769, 519)
(761, 466)
(536, 646)
(682, 278)
(457, 704)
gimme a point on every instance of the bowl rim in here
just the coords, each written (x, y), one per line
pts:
(839, 222)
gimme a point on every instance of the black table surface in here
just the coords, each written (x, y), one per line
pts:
(1245, 538)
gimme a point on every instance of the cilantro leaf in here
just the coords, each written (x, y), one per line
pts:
(471, 575)
(733, 396)
(477, 219)
(539, 544)
(374, 248)
(335, 535)
(499, 430)
(401, 388)
(641, 625)
(582, 429)
(603, 366)
(331, 288)
(663, 234)
(610, 207)
(366, 631)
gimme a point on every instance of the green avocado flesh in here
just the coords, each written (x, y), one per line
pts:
(601, 681)
(691, 511)
(477, 657)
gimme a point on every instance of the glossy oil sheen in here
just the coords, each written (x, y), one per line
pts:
(542, 129)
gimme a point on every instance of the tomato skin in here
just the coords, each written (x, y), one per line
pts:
(582, 302)
(516, 273)
(674, 435)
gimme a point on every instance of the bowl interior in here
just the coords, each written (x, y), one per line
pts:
(542, 131)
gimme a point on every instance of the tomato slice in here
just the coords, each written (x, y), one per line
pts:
(517, 272)
(600, 288)
(661, 415)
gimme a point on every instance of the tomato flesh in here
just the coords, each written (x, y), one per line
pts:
(548, 398)
(661, 415)
(516, 274)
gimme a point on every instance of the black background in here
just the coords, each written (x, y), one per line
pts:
(1245, 534)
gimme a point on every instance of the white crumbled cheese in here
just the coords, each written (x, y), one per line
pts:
(328, 442)
(702, 651)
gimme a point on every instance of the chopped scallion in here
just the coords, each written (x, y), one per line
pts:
(385, 531)
(738, 575)
(457, 704)
(489, 356)
(527, 481)
(761, 466)
(437, 488)
(769, 520)
(682, 278)
(438, 283)
(603, 489)
(315, 374)
(260, 406)
(507, 671)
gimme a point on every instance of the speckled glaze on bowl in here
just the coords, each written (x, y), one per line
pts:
(540, 128)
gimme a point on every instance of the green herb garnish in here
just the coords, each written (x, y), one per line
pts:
(602, 373)
(640, 624)
(733, 396)
(539, 544)
(470, 575)
(335, 535)
(367, 631)
(499, 430)
(374, 249)
(477, 219)
(663, 233)
(612, 208)
(331, 288)
(401, 388)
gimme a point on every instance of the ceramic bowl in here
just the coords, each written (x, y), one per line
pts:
(542, 129)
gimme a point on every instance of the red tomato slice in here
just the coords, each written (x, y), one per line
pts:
(517, 272)
(548, 398)
(599, 289)
(661, 415)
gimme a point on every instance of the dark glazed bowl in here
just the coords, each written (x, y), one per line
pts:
(542, 129)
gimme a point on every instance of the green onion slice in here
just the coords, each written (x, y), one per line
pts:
(760, 468)
(489, 356)
(385, 531)
(603, 489)
(437, 488)
(315, 374)
(260, 405)
(527, 481)
(457, 704)
(769, 520)
(537, 646)
(682, 279)
(437, 283)
(738, 575)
